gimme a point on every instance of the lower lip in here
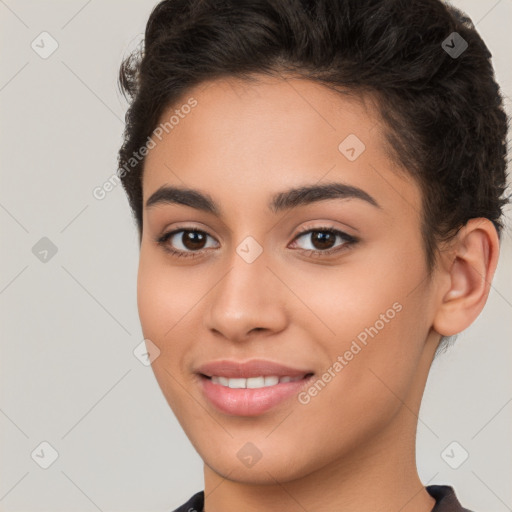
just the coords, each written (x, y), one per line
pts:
(247, 401)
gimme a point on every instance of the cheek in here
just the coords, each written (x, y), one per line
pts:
(350, 297)
(165, 301)
(370, 364)
(371, 313)
(164, 296)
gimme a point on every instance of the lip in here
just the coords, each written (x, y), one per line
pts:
(247, 401)
(253, 368)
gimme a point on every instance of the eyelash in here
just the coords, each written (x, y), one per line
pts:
(349, 241)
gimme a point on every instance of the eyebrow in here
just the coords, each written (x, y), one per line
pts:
(286, 200)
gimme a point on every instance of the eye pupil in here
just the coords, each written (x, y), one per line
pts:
(191, 237)
(325, 238)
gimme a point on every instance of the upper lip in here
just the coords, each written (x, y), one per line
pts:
(254, 368)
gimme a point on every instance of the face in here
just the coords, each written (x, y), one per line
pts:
(332, 283)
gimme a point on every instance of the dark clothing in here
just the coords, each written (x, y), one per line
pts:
(446, 501)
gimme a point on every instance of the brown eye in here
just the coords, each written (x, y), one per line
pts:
(323, 240)
(193, 240)
(184, 242)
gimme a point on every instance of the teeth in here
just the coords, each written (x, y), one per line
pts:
(253, 382)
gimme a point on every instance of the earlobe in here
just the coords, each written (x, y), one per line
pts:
(470, 269)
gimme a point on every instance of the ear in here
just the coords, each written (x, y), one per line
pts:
(468, 267)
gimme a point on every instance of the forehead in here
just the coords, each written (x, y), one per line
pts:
(250, 139)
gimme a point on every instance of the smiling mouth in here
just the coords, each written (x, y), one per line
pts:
(251, 396)
(257, 382)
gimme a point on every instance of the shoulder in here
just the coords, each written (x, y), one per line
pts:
(194, 504)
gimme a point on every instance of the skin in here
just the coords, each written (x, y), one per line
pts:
(352, 447)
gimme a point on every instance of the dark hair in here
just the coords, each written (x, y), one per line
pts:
(443, 112)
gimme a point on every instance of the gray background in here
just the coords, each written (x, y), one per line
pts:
(70, 324)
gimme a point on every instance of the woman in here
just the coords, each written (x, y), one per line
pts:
(318, 190)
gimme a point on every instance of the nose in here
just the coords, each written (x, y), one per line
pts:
(248, 297)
